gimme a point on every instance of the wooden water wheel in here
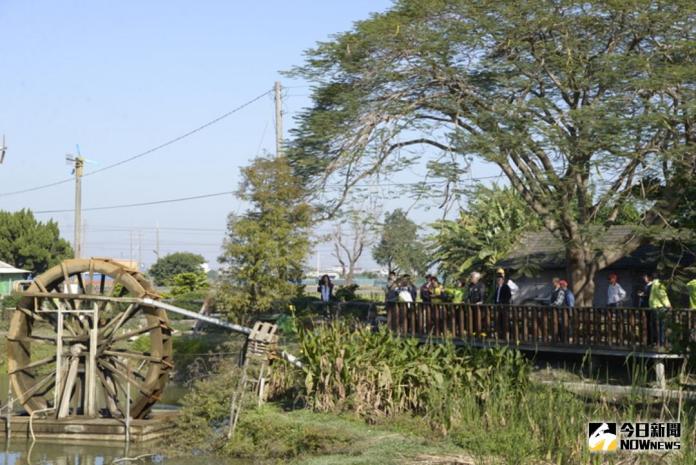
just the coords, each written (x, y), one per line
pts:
(81, 342)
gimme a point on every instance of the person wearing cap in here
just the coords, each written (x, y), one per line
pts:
(615, 293)
(569, 296)
(570, 303)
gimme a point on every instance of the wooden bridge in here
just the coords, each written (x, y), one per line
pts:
(600, 331)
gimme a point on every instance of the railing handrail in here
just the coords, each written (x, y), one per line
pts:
(600, 327)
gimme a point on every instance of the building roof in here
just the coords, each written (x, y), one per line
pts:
(546, 251)
(6, 268)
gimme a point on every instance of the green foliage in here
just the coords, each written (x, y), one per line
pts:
(265, 247)
(267, 433)
(30, 244)
(487, 229)
(165, 268)
(346, 293)
(192, 300)
(184, 283)
(400, 248)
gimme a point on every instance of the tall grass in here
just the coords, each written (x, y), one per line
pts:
(481, 399)
(376, 374)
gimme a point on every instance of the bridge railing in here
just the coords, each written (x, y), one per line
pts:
(605, 327)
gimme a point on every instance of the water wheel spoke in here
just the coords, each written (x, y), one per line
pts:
(45, 381)
(125, 376)
(81, 284)
(135, 355)
(117, 321)
(130, 369)
(33, 315)
(35, 338)
(130, 334)
(35, 364)
(110, 393)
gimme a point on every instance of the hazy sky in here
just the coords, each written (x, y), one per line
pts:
(118, 78)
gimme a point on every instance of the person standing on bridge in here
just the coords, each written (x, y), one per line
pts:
(615, 293)
(569, 301)
(425, 290)
(691, 288)
(477, 290)
(659, 302)
(644, 294)
(558, 294)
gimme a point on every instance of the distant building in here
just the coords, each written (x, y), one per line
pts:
(542, 255)
(9, 275)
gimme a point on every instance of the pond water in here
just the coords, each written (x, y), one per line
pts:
(20, 451)
(53, 453)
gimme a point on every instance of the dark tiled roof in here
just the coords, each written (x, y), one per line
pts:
(546, 251)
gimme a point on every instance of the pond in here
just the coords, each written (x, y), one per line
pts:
(20, 451)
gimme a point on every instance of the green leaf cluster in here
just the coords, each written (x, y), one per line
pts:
(184, 283)
(165, 268)
(30, 244)
(486, 230)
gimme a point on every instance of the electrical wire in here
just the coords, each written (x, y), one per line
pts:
(139, 204)
(146, 152)
(216, 194)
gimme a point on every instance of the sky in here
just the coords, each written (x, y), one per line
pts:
(118, 78)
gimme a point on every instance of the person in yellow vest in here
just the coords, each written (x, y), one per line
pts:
(659, 302)
(691, 287)
(437, 291)
(458, 292)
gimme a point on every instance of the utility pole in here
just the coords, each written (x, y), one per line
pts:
(79, 163)
(278, 119)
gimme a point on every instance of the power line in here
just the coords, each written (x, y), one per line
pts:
(141, 204)
(146, 152)
(217, 194)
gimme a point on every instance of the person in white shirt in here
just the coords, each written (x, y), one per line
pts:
(615, 293)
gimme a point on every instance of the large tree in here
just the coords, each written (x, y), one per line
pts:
(400, 249)
(582, 105)
(266, 246)
(30, 244)
(165, 268)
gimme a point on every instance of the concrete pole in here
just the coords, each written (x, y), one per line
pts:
(77, 246)
(278, 119)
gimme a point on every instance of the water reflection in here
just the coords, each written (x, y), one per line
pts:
(41, 452)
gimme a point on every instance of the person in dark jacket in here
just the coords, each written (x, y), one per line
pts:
(425, 290)
(477, 290)
(503, 293)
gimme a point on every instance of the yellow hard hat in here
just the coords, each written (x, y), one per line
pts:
(500, 271)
